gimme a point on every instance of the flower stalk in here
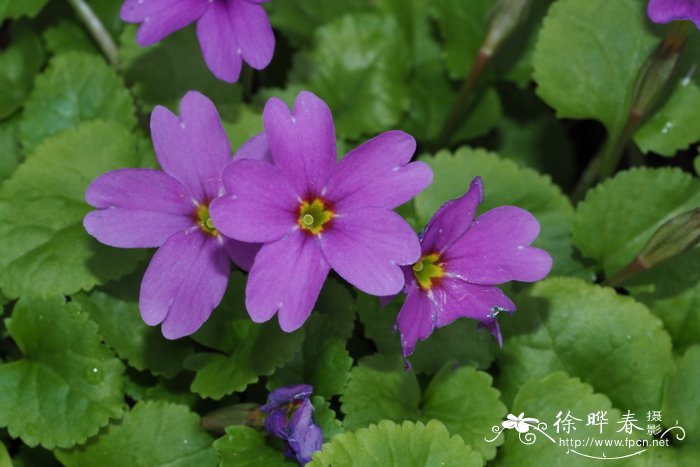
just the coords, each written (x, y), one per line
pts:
(651, 83)
(506, 16)
(98, 31)
(676, 236)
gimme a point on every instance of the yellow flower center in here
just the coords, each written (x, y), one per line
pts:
(428, 271)
(204, 221)
(314, 216)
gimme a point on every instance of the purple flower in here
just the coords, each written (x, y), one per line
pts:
(663, 11)
(229, 31)
(290, 418)
(462, 260)
(313, 213)
(169, 209)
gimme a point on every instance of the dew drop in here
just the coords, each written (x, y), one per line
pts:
(93, 375)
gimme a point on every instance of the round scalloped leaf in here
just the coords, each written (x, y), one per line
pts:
(151, 434)
(617, 217)
(505, 183)
(681, 403)
(378, 389)
(671, 291)
(359, 67)
(609, 341)
(604, 45)
(298, 20)
(243, 446)
(46, 250)
(389, 444)
(75, 88)
(68, 385)
(13, 9)
(247, 350)
(462, 398)
(123, 329)
(19, 63)
(543, 399)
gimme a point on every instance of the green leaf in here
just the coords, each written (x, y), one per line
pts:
(389, 444)
(247, 124)
(13, 9)
(19, 63)
(10, 153)
(5, 460)
(681, 403)
(243, 446)
(359, 65)
(673, 126)
(250, 350)
(326, 418)
(76, 88)
(67, 36)
(46, 249)
(142, 346)
(618, 217)
(380, 389)
(604, 45)
(299, 20)
(543, 399)
(68, 385)
(505, 183)
(163, 73)
(151, 434)
(460, 341)
(671, 291)
(141, 387)
(323, 361)
(609, 341)
(464, 400)
(463, 27)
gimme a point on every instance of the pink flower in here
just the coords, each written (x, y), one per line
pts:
(663, 11)
(229, 31)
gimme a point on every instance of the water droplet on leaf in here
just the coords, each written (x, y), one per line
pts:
(93, 375)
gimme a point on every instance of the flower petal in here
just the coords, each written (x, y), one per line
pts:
(459, 299)
(241, 253)
(184, 282)
(286, 394)
(496, 249)
(663, 11)
(305, 437)
(416, 319)
(220, 46)
(255, 148)
(160, 18)
(302, 142)
(253, 31)
(259, 205)
(378, 173)
(368, 246)
(140, 208)
(193, 148)
(453, 219)
(287, 276)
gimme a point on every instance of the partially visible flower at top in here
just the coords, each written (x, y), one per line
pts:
(229, 31)
(289, 417)
(663, 11)
(462, 260)
(520, 423)
(313, 213)
(169, 209)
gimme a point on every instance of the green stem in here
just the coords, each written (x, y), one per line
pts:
(98, 31)
(460, 104)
